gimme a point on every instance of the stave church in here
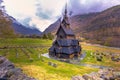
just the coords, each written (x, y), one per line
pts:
(65, 46)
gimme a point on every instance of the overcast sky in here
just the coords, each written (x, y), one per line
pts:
(41, 13)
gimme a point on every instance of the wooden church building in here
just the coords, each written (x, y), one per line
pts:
(65, 45)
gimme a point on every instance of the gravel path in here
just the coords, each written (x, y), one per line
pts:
(77, 62)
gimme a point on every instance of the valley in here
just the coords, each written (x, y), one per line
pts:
(25, 53)
(80, 45)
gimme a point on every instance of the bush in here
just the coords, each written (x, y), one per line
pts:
(48, 36)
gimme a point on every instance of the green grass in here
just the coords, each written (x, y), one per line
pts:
(38, 66)
(63, 71)
(106, 61)
(24, 42)
(100, 49)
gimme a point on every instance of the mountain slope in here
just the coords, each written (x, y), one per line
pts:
(102, 27)
(105, 27)
(6, 30)
(21, 29)
(52, 28)
(77, 22)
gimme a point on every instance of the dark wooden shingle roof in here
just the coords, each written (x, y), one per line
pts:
(67, 42)
(68, 31)
(67, 50)
(66, 46)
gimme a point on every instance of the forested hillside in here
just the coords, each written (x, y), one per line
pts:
(5, 24)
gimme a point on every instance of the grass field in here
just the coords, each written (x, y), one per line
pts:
(27, 56)
(106, 61)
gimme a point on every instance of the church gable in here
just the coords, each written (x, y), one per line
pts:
(61, 33)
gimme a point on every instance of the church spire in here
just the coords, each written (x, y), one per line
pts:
(65, 17)
(66, 9)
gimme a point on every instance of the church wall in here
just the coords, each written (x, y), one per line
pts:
(62, 55)
(70, 37)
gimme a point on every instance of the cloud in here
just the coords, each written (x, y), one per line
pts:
(40, 23)
(42, 13)
(86, 6)
(26, 21)
(47, 13)
(20, 8)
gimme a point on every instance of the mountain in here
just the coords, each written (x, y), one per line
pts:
(77, 22)
(9, 26)
(52, 28)
(104, 27)
(101, 27)
(21, 29)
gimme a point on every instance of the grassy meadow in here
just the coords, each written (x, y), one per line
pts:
(26, 54)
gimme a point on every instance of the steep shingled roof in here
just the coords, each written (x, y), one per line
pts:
(67, 42)
(68, 31)
(67, 50)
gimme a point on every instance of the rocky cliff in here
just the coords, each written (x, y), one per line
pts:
(9, 72)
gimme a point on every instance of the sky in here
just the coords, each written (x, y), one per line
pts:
(41, 13)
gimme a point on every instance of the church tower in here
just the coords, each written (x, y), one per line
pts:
(65, 31)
